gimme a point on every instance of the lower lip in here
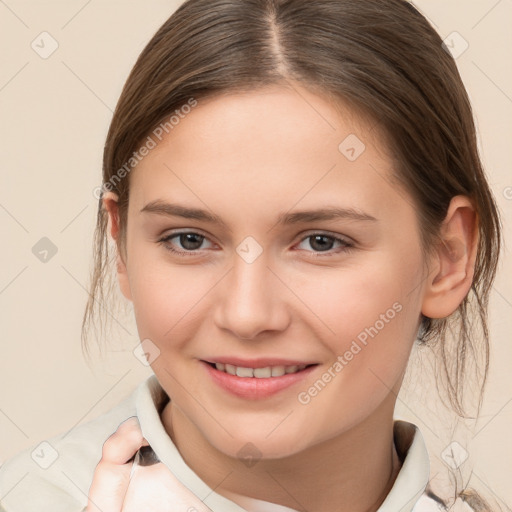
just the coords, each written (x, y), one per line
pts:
(253, 388)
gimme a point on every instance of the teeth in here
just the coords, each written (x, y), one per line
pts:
(259, 373)
(277, 371)
(263, 373)
(244, 372)
(230, 369)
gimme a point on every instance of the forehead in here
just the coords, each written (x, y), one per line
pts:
(274, 143)
(274, 116)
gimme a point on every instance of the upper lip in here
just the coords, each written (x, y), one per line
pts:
(259, 362)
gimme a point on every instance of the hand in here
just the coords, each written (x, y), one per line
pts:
(150, 488)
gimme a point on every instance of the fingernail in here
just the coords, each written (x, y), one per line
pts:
(147, 456)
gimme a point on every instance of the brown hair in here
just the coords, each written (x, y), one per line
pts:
(386, 60)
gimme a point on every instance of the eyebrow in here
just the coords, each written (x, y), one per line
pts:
(322, 214)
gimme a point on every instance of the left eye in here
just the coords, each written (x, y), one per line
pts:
(325, 242)
(191, 242)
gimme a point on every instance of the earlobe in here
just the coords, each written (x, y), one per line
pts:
(452, 267)
(110, 203)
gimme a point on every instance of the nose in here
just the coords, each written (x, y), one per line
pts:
(252, 300)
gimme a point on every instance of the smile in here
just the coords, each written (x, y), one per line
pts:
(259, 379)
(258, 373)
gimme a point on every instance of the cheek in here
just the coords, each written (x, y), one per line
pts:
(168, 300)
(372, 315)
(377, 296)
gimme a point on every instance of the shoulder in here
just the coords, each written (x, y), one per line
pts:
(429, 502)
(56, 474)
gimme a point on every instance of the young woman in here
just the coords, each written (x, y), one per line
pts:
(296, 196)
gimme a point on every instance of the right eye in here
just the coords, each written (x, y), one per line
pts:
(189, 240)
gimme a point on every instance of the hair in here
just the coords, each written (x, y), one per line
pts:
(382, 58)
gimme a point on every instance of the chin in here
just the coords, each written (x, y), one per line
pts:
(254, 445)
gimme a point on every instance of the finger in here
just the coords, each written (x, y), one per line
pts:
(112, 474)
(153, 489)
(124, 442)
(108, 488)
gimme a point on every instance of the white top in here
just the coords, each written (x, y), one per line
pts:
(55, 475)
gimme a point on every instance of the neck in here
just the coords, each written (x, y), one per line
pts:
(351, 472)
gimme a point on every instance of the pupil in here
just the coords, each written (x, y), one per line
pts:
(320, 237)
(188, 238)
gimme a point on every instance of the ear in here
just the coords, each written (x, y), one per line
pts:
(452, 266)
(110, 203)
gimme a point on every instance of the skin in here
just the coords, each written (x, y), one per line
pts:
(247, 158)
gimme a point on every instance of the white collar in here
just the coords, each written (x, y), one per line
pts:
(409, 485)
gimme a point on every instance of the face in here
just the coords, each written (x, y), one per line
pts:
(264, 285)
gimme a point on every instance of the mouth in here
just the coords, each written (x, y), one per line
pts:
(257, 379)
(265, 372)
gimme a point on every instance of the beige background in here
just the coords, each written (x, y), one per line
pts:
(55, 114)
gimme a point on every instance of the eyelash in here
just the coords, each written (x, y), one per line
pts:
(346, 245)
